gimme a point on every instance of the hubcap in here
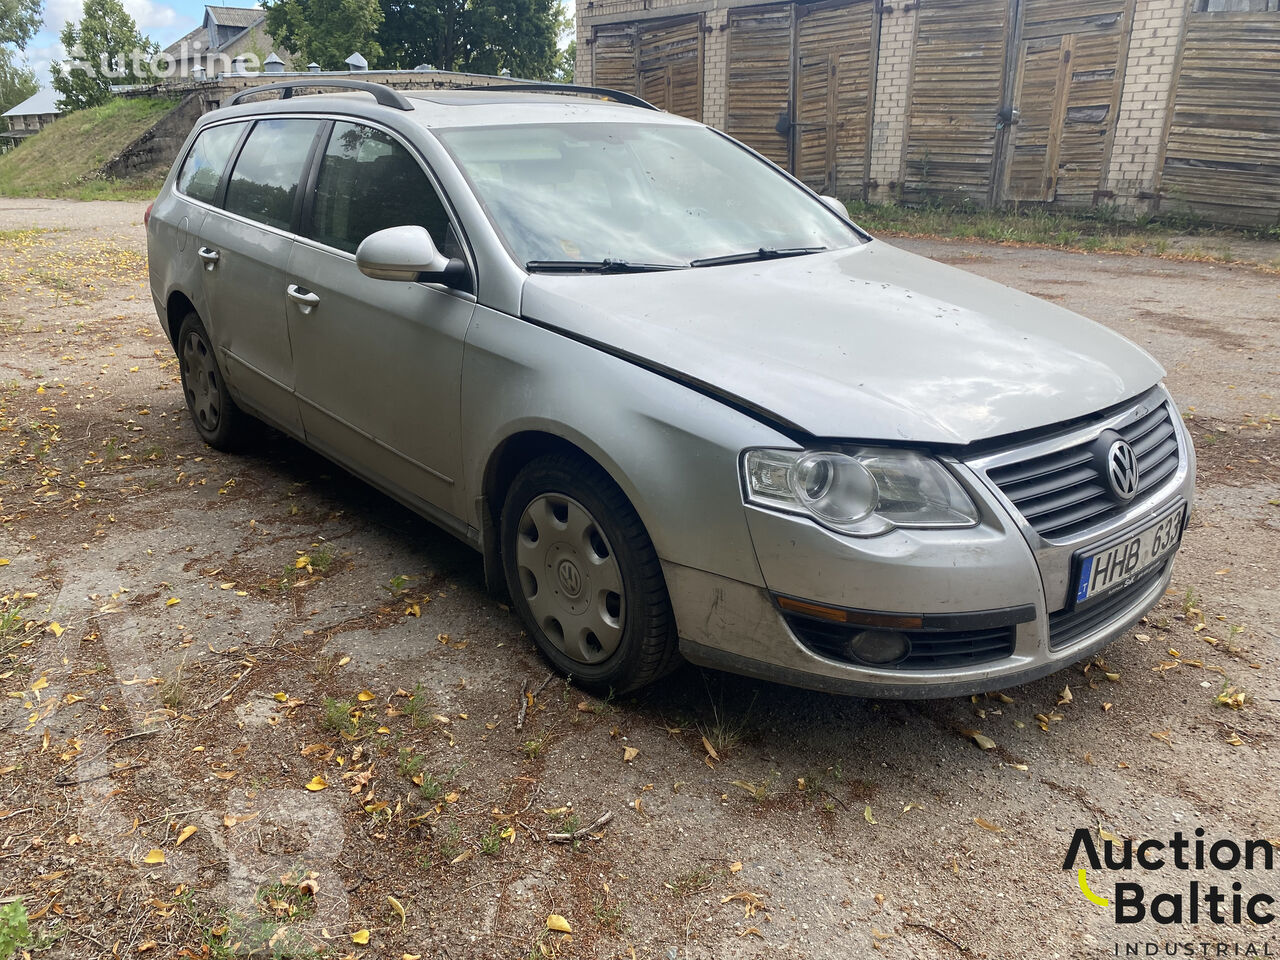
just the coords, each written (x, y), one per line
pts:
(570, 578)
(200, 381)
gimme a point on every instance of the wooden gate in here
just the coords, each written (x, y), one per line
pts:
(835, 86)
(1069, 73)
(670, 65)
(801, 85)
(957, 89)
(1223, 153)
(614, 57)
(759, 79)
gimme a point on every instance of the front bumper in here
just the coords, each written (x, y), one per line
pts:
(1002, 570)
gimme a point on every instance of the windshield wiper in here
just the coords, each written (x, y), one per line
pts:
(764, 253)
(597, 266)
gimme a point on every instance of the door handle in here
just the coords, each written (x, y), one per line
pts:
(305, 299)
(210, 257)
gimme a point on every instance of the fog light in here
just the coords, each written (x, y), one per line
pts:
(879, 647)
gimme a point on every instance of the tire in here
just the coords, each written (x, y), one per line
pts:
(584, 577)
(220, 423)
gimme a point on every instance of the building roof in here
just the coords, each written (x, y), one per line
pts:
(42, 101)
(199, 33)
(235, 16)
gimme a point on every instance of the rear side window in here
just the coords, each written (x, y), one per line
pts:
(265, 178)
(203, 167)
(367, 182)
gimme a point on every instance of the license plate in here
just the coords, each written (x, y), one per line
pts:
(1117, 566)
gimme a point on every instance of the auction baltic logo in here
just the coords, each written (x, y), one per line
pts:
(1201, 902)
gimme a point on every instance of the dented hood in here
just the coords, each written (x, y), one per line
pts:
(868, 343)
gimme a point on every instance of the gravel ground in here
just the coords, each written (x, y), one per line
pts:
(263, 649)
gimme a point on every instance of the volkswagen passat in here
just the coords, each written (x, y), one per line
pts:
(680, 403)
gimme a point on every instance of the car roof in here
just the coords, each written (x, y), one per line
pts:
(478, 107)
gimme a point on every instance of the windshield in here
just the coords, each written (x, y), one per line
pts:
(636, 194)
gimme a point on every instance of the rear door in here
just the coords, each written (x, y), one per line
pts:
(245, 249)
(377, 363)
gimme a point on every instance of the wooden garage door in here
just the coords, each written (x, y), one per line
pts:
(614, 57)
(1223, 154)
(670, 56)
(1067, 88)
(835, 67)
(759, 87)
(956, 92)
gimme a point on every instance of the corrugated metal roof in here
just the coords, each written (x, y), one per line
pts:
(236, 16)
(43, 101)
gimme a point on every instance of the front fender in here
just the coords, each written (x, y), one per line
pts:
(673, 451)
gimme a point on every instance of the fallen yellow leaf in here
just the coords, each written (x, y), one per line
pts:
(866, 815)
(364, 696)
(155, 856)
(186, 834)
(629, 754)
(56, 629)
(317, 783)
(360, 937)
(398, 909)
(988, 825)
(558, 923)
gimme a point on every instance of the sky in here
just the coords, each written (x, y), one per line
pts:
(163, 22)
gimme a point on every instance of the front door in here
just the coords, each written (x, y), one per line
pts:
(245, 249)
(377, 363)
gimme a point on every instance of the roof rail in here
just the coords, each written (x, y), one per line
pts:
(381, 92)
(630, 99)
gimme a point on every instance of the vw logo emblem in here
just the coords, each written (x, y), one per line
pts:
(570, 578)
(1122, 470)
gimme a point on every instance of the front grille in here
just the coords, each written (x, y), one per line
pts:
(1063, 493)
(1068, 626)
(930, 649)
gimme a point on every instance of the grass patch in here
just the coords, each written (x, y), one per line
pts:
(1100, 230)
(63, 160)
(336, 716)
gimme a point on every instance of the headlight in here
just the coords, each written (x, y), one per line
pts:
(864, 493)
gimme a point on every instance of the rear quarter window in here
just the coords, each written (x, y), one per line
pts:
(202, 170)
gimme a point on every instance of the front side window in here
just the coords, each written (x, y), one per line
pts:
(202, 170)
(265, 179)
(367, 182)
(641, 193)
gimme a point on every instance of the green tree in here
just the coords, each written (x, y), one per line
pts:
(19, 21)
(566, 63)
(105, 48)
(327, 31)
(480, 36)
(17, 81)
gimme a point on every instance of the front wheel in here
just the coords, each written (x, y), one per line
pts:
(584, 576)
(217, 419)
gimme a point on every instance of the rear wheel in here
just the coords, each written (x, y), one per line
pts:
(584, 576)
(217, 419)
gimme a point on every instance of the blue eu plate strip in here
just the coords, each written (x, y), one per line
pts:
(1083, 590)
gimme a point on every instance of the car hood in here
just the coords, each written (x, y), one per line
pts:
(868, 343)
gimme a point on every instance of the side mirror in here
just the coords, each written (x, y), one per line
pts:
(836, 205)
(407, 254)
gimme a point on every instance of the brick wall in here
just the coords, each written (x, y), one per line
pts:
(1144, 103)
(893, 86)
(715, 69)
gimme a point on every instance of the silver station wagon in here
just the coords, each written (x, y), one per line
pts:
(681, 404)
